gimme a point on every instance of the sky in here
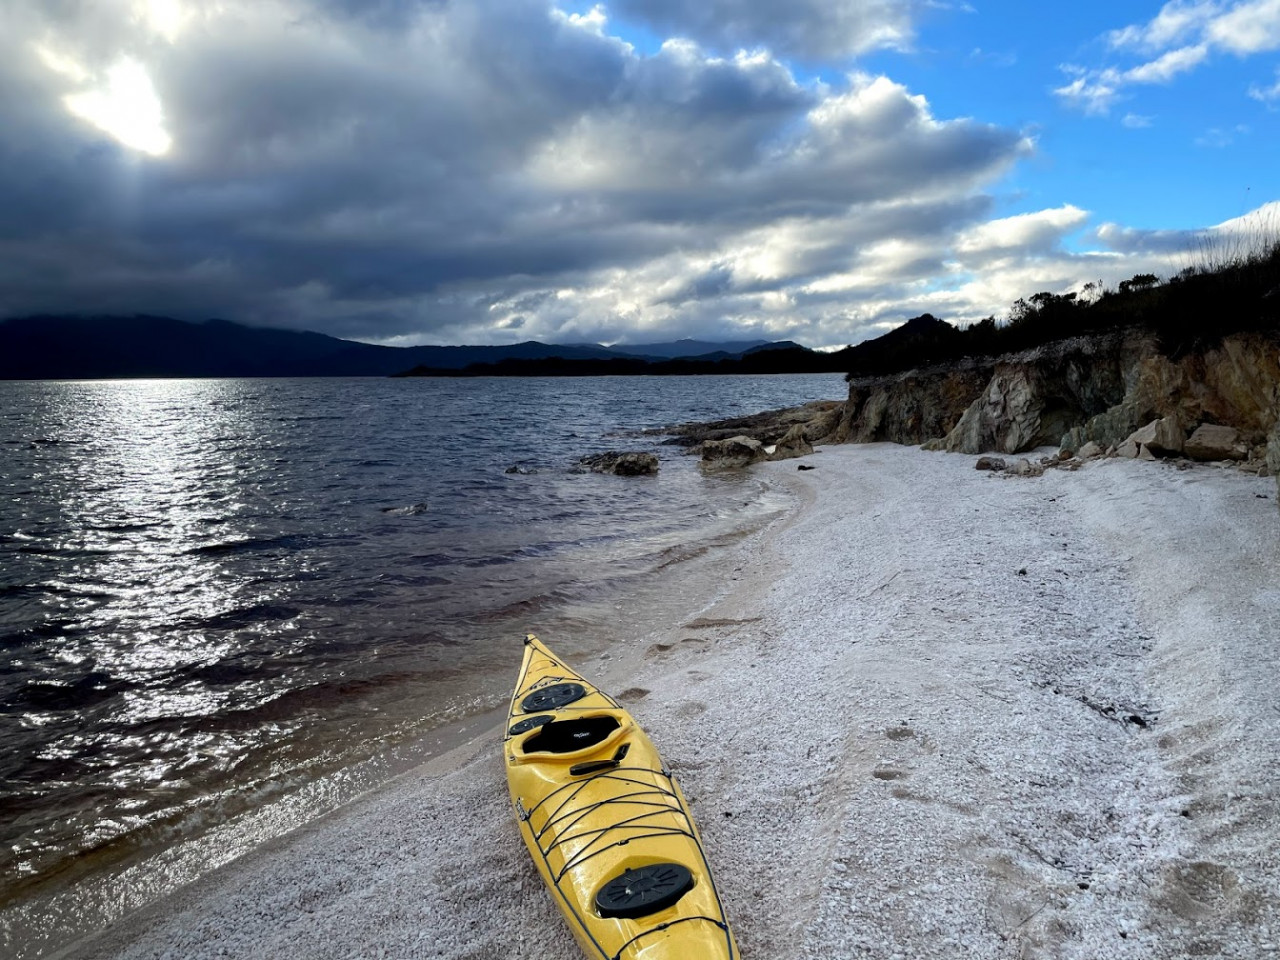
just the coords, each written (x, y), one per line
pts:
(493, 171)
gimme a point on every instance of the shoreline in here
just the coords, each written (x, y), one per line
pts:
(929, 708)
(62, 921)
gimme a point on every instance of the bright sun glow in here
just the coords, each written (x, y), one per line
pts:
(165, 17)
(128, 108)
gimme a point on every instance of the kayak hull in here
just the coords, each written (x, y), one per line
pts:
(605, 822)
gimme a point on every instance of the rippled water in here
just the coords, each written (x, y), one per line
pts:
(214, 590)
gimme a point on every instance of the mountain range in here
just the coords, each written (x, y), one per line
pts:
(77, 347)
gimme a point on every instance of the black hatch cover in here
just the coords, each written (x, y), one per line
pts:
(528, 723)
(553, 697)
(643, 890)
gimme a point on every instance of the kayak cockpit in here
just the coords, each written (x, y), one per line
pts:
(570, 736)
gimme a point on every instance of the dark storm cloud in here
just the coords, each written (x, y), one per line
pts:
(450, 170)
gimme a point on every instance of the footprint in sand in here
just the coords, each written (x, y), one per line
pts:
(658, 649)
(889, 773)
(899, 733)
(691, 709)
(633, 694)
(697, 676)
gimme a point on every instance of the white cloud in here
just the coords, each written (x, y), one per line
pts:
(1136, 121)
(1093, 93)
(1184, 33)
(1169, 65)
(1247, 28)
(1220, 137)
(819, 29)
(1266, 94)
(1174, 23)
(1025, 233)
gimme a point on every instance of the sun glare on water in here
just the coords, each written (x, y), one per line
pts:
(127, 108)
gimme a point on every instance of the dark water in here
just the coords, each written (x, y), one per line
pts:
(212, 591)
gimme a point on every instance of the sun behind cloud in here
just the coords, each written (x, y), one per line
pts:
(127, 107)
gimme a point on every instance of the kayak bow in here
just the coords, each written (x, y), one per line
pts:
(608, 827)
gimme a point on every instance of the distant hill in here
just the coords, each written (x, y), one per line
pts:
(787, 357)
(918, 342)
(102, 347)
(672, 349)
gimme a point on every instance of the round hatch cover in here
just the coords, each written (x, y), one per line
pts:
(643, 890)
(553, 697)
(528, 723)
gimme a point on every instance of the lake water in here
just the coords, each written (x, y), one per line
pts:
(214, 594)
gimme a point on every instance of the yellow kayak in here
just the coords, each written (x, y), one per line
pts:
(606, 824)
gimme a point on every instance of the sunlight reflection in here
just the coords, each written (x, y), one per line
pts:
(158, 504)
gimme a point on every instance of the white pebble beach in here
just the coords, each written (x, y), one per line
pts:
(930, 712)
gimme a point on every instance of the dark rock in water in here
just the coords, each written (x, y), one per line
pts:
(804, 466)
(989, 463)
(620, 464)
(520, 469)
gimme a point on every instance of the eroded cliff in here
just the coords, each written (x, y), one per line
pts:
(1098, 389)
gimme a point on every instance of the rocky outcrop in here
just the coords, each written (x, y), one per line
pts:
(732, 453)
(909, 407)
(742, 451)
(1120, 392)
(793, 444)
(1034, 398)
(817, 421)
(620, 464)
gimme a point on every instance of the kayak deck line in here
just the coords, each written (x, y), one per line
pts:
(564, 837)
(614, 842)
(663, 926)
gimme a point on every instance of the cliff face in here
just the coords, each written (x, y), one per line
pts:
(1098, 389)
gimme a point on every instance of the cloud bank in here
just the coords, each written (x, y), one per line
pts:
(496, 170)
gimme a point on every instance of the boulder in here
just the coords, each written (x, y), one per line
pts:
(1128, 449)
(733, 453)
(1089, 451)
(621, 464)
(1210, 441)
(1162, 438)
(793, 444)
(1022, 467)
(994, 464)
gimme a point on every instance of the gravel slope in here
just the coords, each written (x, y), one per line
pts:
(933, 713)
